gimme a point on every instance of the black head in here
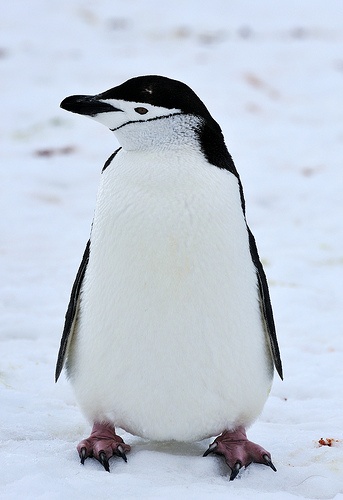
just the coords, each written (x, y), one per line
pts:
(159, 91)
(151, 97)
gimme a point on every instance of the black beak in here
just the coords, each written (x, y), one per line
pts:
(86, 105)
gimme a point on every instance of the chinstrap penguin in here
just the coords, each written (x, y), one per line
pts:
(169, 333)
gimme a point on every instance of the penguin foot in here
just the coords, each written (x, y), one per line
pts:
(102, 444)
(238, 451)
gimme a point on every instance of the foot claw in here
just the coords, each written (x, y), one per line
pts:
(234, 472)
(121, 453)
(210, 449)
(83, 455)
(238, 451)
(268, 462)
(102, 444)
(104, 461)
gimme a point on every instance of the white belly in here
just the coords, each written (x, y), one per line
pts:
(170, 342)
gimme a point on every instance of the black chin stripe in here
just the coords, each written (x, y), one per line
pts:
(145, 121)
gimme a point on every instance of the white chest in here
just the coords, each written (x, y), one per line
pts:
(169, 311)
(170, 214)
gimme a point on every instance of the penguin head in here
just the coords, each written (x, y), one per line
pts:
(154, 111)
(143, 100)
(139, 99)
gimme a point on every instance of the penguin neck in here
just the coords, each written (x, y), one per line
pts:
(168, 132)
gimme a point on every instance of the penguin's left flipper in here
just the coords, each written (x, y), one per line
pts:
(265, 305)
(102, 444)
(238, 451)
(71, 314)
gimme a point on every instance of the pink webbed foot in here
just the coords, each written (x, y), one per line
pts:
(102, 444)
(238, 451)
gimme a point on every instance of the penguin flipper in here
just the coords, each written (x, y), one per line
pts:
(266, 307)
(71, 314)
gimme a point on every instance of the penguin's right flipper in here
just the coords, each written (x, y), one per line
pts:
(71, 314)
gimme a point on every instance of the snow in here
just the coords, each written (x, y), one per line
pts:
(271, 73)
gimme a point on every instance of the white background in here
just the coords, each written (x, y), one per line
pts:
(271, 73)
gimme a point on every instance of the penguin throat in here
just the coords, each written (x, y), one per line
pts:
(160, 133)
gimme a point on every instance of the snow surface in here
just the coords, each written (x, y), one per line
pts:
(271, 73)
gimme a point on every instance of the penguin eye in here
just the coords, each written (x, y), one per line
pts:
(141, 111)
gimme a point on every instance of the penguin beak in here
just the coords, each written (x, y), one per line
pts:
(86, 105)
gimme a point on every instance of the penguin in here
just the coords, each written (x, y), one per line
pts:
(169, 333)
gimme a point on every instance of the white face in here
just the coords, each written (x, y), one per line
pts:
(129, 112)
